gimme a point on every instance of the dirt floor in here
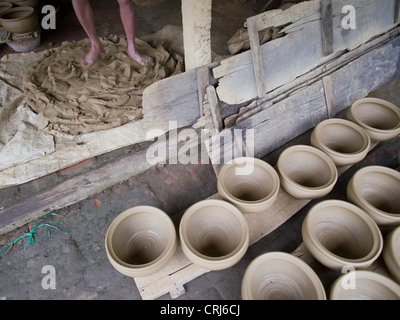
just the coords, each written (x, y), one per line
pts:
(76, 250)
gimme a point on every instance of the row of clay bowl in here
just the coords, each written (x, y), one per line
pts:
(142, 240)
(19, 16)
(214, 233)
(337, 233)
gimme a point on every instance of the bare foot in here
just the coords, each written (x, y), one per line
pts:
(142, 59)
(91, 56)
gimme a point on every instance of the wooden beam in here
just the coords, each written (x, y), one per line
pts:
(214, 107)
(257, 58)
(396, 12)
(330, 105)
(327, 27)
(196, 21)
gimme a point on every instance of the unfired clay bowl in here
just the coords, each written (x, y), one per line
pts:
(376, 189)
(4, 6)
(25, 3)
(379, 118)
(306, 172)
(20, 20)
(342, 140)
(368, 286)
(338, 234)
(281, 276)
(250, 184)
(391, 253)
(140, 241)
(214, 234)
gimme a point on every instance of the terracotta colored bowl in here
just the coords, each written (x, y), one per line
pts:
(140, 241)
(391, 253)
(338, 234)
(281, 276)
(342, 140)
(306, 172)
(379, 118)
(368, 285)
(376, 190)
(20, 20)
(214, 234)
(250, 184)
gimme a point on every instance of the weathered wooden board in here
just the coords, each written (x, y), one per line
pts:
(307, 106)
(301, 50)
(172, 99)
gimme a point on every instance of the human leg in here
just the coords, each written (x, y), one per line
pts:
(128, 20)
(84, 13)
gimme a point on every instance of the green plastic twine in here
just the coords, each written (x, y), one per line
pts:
(40, 224)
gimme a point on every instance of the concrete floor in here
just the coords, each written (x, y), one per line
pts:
(78, 256)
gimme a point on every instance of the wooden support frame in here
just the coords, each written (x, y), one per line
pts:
(330, 104)
(327, 27)
(256, 55)
(214, 108)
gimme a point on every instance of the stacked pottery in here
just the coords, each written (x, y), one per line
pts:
(376, 190)
(379, 118)
(20, 20)
(281, 276)
(214, 234)
(5, 6)
(306, 172)
(250, 184)
(140, 241)
(339, 234)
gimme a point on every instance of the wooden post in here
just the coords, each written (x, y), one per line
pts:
(196, 21)
(327, 27)
(396, 11)
(258, 65)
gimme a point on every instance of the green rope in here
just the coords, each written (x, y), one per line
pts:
(38, 225)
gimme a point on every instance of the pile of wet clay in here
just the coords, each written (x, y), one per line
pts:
(73, 100)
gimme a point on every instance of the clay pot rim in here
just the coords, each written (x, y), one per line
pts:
(316, 152)
(367, 275)
(126, 214)
(287, 258)
(379, 169)
(372, 255)
(347, 123)
(261, 163)
(240, 249)
(382, 102)
(30, 11)
(393, 245)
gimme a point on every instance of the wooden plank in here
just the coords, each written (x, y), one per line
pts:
(172, 99)
(327, 27)
(71, 191)
(257, 58)
(330, 104)
(203, 80)
(235, 74)
(214, 107)
(307, 106)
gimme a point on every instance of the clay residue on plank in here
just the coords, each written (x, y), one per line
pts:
(74, 100)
